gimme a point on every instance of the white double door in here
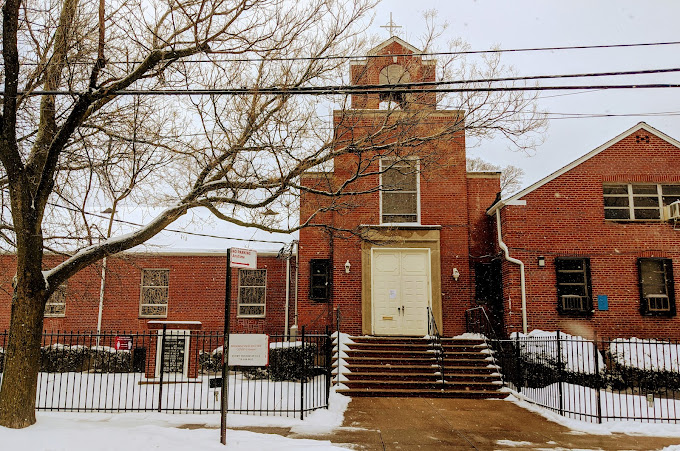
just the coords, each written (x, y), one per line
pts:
(400, 290)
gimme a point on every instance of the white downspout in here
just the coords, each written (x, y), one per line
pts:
(101, 301)
(504, 247)
(287, 291)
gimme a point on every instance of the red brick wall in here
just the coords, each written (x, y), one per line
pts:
(196, 293)
(565, 217)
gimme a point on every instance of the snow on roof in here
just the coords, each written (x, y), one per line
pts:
(516, 199)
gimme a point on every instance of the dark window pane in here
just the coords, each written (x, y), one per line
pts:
(644, 189)
(667, 200)
(668, 190)
(615, 189)
(647, 213)
(616, 201)
(646, 201)
(614, 213)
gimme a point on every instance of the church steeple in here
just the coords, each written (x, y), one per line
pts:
(393, 62)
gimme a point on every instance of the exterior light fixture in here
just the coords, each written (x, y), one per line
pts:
(348, 265)
(456, 274)
(541, 261)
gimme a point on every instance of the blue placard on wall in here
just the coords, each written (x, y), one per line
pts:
(602, 302)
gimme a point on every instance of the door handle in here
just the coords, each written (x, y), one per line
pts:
(399, 309)
(403, 309)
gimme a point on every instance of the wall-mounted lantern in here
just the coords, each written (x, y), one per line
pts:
(456, 274)
(347, 266)
(541, 261)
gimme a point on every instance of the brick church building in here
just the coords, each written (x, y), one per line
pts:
(414, 239)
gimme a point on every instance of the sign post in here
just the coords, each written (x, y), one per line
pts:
(238, 258)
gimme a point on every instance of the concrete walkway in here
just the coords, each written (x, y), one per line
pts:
(461, 424)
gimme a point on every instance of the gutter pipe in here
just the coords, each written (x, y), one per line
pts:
(506, 251)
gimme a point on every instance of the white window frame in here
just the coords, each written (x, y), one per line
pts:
(264, 303)
(631, 201)
(159, 344)
(383, 166)
(63, 288)
(141, 294)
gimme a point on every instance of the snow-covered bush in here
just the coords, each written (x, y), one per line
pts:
(575, 354)
(650, 365)
(59, 358)
(286, 363)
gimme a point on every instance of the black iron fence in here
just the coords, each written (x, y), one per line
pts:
(178, 371)
(594, 380)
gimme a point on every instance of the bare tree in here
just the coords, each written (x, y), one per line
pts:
(80, 145)
(511, 176)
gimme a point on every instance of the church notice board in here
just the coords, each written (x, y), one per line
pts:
(248, 349)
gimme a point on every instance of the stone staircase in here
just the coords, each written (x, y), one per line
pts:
(405, 366)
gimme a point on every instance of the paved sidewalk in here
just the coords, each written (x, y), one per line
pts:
(462, 424)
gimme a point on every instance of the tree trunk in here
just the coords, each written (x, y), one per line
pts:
(22, 361)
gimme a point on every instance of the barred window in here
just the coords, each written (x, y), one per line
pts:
(657, 294)
(637, 202)
(399, 191)
(56, 304)
(153, 301)
(252, 291)
(574, 292)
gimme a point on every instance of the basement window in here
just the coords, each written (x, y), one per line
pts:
(574, 290)
(657, 295)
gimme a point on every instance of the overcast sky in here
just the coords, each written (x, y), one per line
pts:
(512, 24)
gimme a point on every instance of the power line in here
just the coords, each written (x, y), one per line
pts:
(369, 56)
(205, 235)
(415, 87)
(343, 90)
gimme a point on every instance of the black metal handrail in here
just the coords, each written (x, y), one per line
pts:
(436, 342)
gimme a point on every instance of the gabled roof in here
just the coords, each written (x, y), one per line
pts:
(376, 50)
(516, 199)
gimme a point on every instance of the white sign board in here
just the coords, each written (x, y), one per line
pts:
(243, 258)
(248, 350)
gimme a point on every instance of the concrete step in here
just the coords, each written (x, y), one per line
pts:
(424, 393)
(418, 385)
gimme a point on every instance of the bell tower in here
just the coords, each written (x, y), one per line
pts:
(393, 63)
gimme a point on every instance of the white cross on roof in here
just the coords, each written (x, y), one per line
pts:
(391, 26)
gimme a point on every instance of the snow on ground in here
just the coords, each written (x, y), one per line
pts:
(646, 354)
(606, 428)
(576, 353)
(148, 431)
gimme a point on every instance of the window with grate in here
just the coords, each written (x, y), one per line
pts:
(399, 191)
(56, 303)
(153, 302)
(319, 279)
(252, 291)
(637, 202)
(657, 294)
(574, 290)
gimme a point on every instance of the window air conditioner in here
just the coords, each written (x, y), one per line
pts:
(657, 303)
(672, 211)
(573, 302)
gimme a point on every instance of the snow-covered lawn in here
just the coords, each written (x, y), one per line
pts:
(147, 431)
(607, 427)
(581, 403)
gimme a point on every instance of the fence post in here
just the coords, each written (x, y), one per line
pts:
(162, 361)
(519, 379)
(302, 378)
(329, 363)
(559, 373)
(598, 406)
